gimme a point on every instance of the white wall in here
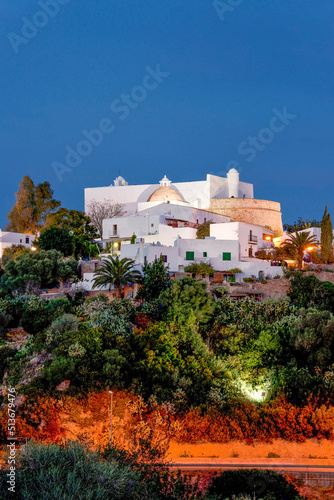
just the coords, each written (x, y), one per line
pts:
(196, 193)
(133, 224)
(219, 188)
(213, 248)
(241, 231)
(7, 239)
(167, 235)
(181, 211)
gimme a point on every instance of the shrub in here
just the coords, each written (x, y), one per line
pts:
(66, 323)
(70, 470)
(263, 484)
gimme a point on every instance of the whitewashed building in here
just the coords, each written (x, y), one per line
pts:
(7, 239)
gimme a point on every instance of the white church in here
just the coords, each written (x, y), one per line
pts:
(161, 220)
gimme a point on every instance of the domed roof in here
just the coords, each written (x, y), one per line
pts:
(165, 192)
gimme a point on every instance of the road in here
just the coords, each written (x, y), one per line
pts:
(310, 474)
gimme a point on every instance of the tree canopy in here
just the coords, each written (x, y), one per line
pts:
(78, 225)
(33, 205)
(301, 224)
(43, 269)
(117, 273)
(154, 281)
(326, 237)
(57, 238)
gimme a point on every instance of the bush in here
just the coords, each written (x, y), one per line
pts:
(259, 484)
(56, 238)
(69, 470)
(66, 323)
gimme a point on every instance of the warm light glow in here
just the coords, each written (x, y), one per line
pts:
(115, 244)
(268, 238)
(33, 249)
(309, 249)
(258, 394)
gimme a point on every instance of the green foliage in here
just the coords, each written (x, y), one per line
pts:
(259, 484)
(32, 313)
(301, 224)
(6, 354)
(57, 238)
(308, 291)
(78, 224)
(186, 297)
(175, 358)
(65, 323)
(116, 272)
(13, 252)
(326, 237)
(203, 230)
(155, 280)
(312, 337)
(70, 470)
(201, 268)
(44, 268)
(133, 239)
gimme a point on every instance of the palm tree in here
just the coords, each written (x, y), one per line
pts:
(298, 243)
(116, 272)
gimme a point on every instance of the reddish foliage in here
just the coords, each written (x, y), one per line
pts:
(42, 420)
(277, 420)
(142, 320)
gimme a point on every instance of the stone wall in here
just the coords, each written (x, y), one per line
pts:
(260, 212)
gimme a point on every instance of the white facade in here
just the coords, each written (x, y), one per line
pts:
(163, 223)
(197, 194)
(222, 255)
(251, 237)
(7, 239)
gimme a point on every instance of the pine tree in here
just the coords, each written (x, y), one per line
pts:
(326, 237)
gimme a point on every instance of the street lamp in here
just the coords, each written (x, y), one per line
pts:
(111, 402)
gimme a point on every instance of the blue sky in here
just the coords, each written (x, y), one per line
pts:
(228, 69)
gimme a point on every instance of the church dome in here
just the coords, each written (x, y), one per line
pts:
(165, 192)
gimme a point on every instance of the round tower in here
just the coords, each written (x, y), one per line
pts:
(233, 183)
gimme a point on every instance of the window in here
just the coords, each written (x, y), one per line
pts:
(20, 241)
(115, 229)
(145, 259)
(205, 254)
(226, 255)
(190, 255)
(152, 225)
(27, 240)
(204, 220)
(164, 258)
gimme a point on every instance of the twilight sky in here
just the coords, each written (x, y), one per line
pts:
(177, 87)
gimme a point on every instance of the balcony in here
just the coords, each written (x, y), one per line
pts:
(252, 239)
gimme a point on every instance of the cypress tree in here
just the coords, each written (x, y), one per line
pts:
(326, 237)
